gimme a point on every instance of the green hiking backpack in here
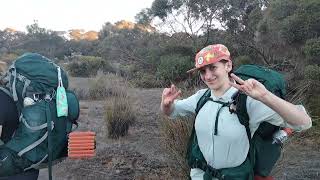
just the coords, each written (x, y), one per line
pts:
(263, 154)
(41, 136)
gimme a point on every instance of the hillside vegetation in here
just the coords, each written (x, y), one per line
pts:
(159, 48)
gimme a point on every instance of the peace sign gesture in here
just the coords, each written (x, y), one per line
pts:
(251, 87)
(169, 95)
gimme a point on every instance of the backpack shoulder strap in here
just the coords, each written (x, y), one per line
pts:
(204, 98)
(207, 97)
(240, 100)
(6, 91)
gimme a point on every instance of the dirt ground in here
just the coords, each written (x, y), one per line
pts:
(140, 154)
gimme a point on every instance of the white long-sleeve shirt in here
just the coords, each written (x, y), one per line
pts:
(230, 147)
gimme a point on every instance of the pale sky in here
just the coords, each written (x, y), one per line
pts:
(63, 15)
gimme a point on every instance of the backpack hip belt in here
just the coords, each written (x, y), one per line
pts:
(210, 172)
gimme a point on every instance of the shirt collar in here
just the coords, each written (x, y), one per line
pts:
(226, 97)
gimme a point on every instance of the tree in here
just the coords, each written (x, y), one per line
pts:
(144, 17)
(126, 42)
(285, 28)
(43, 41)
(234, 21)
(10, 40)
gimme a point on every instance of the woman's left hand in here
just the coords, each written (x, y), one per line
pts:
(251, 87)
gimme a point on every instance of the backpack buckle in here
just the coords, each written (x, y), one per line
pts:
(233, 107)
(36, 97)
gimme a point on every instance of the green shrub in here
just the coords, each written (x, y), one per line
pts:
(173, 68)
(241, 60)
(312, 50)
(312, 72)
(295, 29)
(146, 80)
(86, 66)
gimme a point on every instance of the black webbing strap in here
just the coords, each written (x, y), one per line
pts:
(49, 119)
(224, 104)
(210, 172)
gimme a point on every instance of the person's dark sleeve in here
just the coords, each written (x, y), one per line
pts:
(8, 116)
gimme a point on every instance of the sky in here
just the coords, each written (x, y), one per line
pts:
(63, 15)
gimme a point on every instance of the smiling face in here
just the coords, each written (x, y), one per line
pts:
(216, 76)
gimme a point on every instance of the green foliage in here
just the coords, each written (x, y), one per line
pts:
(83, 47)
(35, 29)
(312, 72)
(198, 17)
(129, 45)
(183, 50)
(241, 60)
(143, 17)
(161, 8)
(295, 28)
(254, 17)
(312, 50)
(281, 9)
(173, 68)
(296, 20)
(45, 42)
(86, 66)
(146, 80)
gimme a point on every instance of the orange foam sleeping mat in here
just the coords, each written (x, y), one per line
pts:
(81, 144)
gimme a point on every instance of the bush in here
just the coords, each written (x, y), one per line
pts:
(107, 86)
(145, 80)
(295, 29)
(86, 66)
(312, 72)
(312, 50)
(100, 87)
(119, 113)
(119, 116)
(241, 60)
(173, 68)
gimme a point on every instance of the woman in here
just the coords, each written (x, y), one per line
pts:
(231, 147)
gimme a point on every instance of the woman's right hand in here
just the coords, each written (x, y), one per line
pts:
(168, 96)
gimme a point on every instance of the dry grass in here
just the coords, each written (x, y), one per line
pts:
(119, 112)
(3, 67)
(308, 93)
(8, 58)
(100, 87)
(299, 93)
(119, 116)
(175, 136)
